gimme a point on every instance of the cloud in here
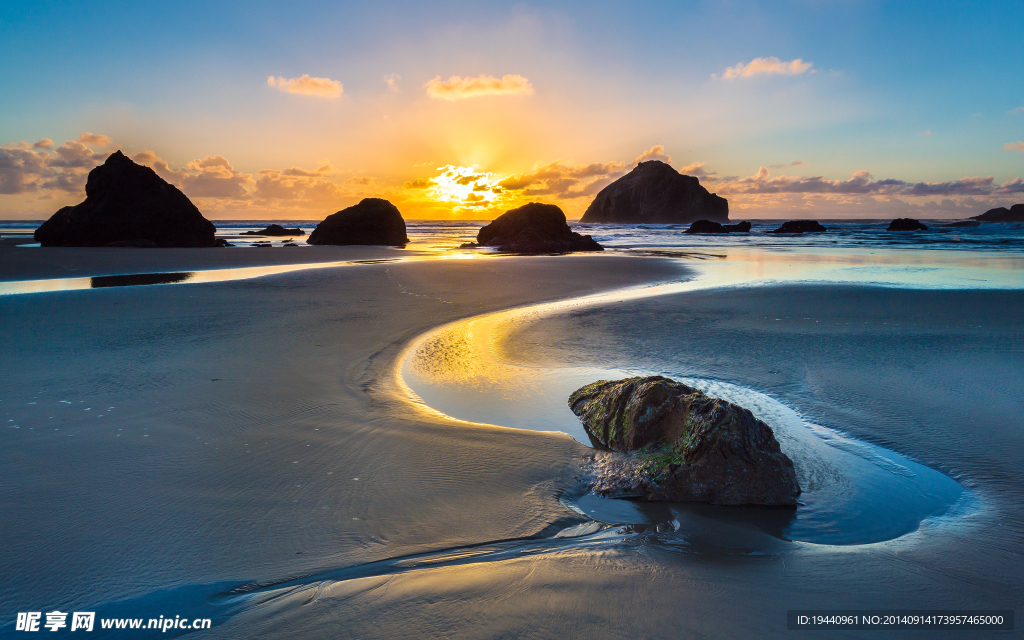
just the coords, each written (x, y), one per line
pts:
(1013, 112)
(565, 179)
(95, 140)
(419, 183)
(26, 168)
(391, 80)
(298, 186)
(1014, 146)
(657, 152)
(307, 86)
(767, 66)
(781, 165)
(697, 169)
(862, 183)
(161, 167)
(459, 88)
(214, 177)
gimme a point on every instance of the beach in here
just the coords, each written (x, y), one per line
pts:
(256, 451)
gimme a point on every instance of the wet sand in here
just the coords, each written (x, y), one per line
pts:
(256, 452)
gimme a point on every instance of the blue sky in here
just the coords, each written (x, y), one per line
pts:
(911, 92)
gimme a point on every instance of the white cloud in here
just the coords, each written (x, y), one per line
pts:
(459, 88)
(307, 86)
(767, 66)
(657, 152)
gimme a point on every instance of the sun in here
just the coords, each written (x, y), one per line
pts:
(465, 187)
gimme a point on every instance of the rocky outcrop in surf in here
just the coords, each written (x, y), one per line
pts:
(800, 226)
(710, 227)
(128, 205)
(681, 445)
(1002, 214)
(906, 224)
(373, 221)
(654, 192)
(533, 228)
(276, 230)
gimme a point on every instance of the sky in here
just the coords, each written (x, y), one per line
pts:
(462, 110)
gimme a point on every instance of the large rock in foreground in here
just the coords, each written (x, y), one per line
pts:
(1002, 214)
(534, 228)
(683, 445)
(372, 221)
(127, 204)
(654, 192)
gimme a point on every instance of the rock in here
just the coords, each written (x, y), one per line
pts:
(276, 230)
(372, 221)
(959, 224)
(682, 445)
(534, 228)
(127, 203)
(800, 226)
(709, 226)
(654, 192)
(906, 224)
(1002, 214)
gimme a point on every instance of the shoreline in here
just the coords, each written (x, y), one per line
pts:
(318, 466)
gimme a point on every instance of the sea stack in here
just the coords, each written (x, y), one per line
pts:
(1002, 214)
(534, 228)
(654, 192)
(127, 204)
(681, 445)
(372, 221)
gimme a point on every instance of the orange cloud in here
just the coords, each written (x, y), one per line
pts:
(391, 80)
(307, 86)
(1014, 146)
(767, 66)
(95, 140)
(459, 88)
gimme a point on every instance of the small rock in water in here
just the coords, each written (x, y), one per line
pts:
(681, 445)
(710, 226)
(906, 224)
(800, 226)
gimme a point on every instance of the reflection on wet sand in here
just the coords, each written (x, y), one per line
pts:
(855, 492)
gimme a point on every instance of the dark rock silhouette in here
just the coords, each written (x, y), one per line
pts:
(709, 226)
(906, 224)
(800, 226)
(682, 445)
(276, 230)
(959, 224)
(533, 228)
(372, 221)
(1002, 214)
(127, 204)
(654, 192)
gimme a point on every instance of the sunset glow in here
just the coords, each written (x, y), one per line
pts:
(546, 103)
